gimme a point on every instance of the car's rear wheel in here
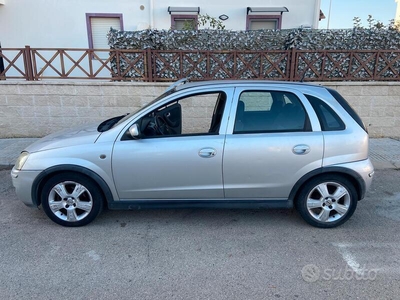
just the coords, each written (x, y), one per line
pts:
(327, 201)
(71, 199)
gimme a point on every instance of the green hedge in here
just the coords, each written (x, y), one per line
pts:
(302, 39)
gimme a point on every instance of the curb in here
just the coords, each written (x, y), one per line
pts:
(6, 167)
(385, 165)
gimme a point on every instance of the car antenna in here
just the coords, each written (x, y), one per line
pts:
(304, 75)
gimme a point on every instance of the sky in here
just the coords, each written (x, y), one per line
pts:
(343, 12)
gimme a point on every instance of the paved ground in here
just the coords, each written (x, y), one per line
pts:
(10, 149)
(196, 254)
(385, 152)
(203, 254)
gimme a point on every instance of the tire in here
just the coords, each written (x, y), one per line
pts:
(71, 200)
(327, 201)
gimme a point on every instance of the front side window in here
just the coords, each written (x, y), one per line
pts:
(270, 111)
(199, 114)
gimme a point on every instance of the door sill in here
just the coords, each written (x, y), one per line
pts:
(197, 203)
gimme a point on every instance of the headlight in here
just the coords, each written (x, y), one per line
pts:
(21, 160)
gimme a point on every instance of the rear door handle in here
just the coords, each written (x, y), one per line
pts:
(207, 152)
(301, 149)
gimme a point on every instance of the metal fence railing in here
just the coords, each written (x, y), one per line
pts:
(158, 65)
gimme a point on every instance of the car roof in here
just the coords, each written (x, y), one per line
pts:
(185, 84)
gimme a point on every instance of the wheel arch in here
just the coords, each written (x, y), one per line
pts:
(40, 181)
(349, 174)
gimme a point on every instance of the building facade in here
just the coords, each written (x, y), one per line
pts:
(84, 23)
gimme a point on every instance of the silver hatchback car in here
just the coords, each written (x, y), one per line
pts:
(229, 144)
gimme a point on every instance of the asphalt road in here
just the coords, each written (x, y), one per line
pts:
(203, 254)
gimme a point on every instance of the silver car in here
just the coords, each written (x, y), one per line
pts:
(229, 144)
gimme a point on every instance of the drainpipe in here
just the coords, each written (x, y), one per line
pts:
(316, 16)
(151, 14)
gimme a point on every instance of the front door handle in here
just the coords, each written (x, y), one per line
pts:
(207, 152)
(301, 149)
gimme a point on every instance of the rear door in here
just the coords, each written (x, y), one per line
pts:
(270, 143)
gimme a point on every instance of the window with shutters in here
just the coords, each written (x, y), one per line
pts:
(98, 25)
(256, 22)
(184, 22)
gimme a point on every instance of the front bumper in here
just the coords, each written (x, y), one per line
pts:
(22, 181)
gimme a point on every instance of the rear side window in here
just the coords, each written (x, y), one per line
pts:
(270, 111)
(328, 119)
(347, 107)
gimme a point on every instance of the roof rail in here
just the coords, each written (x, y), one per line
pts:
(177, 83)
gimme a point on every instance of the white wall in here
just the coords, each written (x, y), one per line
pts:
(300, 12)
(62, 24)
(55, 23)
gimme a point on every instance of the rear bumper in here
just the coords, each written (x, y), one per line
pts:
(365, 171)
(360, 171)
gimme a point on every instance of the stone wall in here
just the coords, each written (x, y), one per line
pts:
(34, 109)
(377, 103)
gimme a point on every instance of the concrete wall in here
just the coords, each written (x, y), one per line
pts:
(377, 103)
(34, 109)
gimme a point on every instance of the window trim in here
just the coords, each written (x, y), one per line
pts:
(194, 17)
(277, 18)
(100, 15)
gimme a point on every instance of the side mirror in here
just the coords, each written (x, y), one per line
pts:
(134, 131)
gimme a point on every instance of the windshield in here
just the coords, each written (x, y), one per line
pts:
(110, 123)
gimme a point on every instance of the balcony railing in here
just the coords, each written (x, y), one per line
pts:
(156, 65)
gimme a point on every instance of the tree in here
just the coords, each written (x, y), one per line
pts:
(375, 24)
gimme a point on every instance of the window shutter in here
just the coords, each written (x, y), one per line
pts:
(100, 28)
(263, 24)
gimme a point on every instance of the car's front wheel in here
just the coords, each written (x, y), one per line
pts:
(327, 201)
(71, 199)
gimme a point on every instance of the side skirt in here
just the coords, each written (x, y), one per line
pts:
(226, 204)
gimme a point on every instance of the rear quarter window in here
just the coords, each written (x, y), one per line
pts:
(328, 119)
(347, 107)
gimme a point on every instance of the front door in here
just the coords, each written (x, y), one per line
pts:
(178, 156)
